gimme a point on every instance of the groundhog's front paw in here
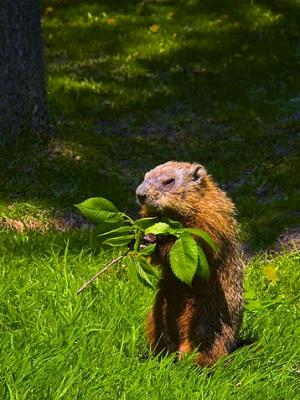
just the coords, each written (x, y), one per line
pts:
(147, 240)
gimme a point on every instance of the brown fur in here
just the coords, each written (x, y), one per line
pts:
(206, 316)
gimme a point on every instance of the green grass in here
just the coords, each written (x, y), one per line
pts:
(55, 345)
(218, 83)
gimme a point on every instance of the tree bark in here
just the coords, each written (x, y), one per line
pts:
(23, 101)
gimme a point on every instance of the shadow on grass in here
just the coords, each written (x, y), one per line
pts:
(212, 84)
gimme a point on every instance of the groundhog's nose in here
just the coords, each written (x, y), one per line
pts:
(141, 194)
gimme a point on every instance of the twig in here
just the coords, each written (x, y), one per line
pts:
(113, 261)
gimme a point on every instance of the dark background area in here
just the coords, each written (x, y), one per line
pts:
(131, 86)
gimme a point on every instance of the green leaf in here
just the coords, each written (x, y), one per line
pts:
(205, 236)
(119, 240)
(115, 232)
(138, 238)
(104, 227)
(99, 203)
(144, 223)
(98, 209)
(136, 272)
(250, 294)
(148, 250)
(203, 267)
(173, 224)
(184, 258)
(253, 305)
(141, 268)
(158, 229)
(131, 268)
(149, 269)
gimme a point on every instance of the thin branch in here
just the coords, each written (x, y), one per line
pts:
(112, 262)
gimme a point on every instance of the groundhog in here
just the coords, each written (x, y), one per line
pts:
(206, 316)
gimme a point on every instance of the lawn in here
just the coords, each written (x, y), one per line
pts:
(131, 86)
(56, 345)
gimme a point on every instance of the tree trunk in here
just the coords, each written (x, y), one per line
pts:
(23, 102)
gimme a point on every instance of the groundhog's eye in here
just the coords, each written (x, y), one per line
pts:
(169, 181)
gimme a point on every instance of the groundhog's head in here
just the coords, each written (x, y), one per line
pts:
(171, 188)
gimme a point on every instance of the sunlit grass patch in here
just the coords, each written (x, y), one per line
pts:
(56, 344)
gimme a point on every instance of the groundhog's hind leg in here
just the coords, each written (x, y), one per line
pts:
(220, 347)
(156, 331)
(155, 336)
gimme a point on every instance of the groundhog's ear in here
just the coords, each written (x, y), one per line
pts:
(198, 172)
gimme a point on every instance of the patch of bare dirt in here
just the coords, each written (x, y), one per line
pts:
(288, 240)
(62, 223)
(69, 221)
(12, 224)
